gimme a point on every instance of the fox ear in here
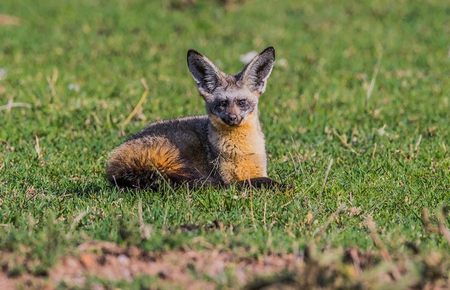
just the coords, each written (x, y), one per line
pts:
(257, 71)
(205, 73)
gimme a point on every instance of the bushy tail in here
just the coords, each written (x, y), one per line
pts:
(146, 162)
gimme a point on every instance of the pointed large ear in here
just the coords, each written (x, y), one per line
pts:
(205, 73)
(257, 71)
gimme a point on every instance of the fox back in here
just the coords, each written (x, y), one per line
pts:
(223, 147)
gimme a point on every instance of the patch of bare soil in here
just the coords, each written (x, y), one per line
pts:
(187, 269)
(9, 20)
(181, 267)
(6, 283)
(206, 269)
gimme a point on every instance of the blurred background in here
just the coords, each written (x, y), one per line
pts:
(99, 50)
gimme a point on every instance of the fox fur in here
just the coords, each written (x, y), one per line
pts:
(224, 147)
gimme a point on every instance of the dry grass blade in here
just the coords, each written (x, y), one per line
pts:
(264, 215)
(354, 254)
(76, 221)
(138, 108)
(252, 213)
(372, 227)
(37, 148)
(426, 221)
(327, 172)
(144, 228)
(52, 83)
(374, 151)
(374, 78)
(416, 146)
(441, 228)
(445, 232)
(319, 233)
(11, 104)
(343, 139)
(78, 218)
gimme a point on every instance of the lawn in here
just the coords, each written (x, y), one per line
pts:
(356, 119)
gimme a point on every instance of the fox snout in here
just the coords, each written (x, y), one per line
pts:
(232, 119)
(232, 111)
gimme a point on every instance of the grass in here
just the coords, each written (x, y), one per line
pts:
(355, 114)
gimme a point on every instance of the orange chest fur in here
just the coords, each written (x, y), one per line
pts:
(241, 155)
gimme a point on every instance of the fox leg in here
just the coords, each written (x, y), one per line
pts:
(261, 182)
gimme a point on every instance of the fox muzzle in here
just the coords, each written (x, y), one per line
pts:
(232, 119)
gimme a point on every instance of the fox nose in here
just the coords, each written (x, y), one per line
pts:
(232, 119)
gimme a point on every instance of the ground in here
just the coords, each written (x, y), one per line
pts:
(355, 117)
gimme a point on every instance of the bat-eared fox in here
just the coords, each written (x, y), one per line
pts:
(224, 147)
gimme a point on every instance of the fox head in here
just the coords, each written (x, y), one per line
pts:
(231, 99)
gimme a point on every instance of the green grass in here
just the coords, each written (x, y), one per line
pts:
(389, 152)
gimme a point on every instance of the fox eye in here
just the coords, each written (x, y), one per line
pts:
(222, 105)
(242, 103)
